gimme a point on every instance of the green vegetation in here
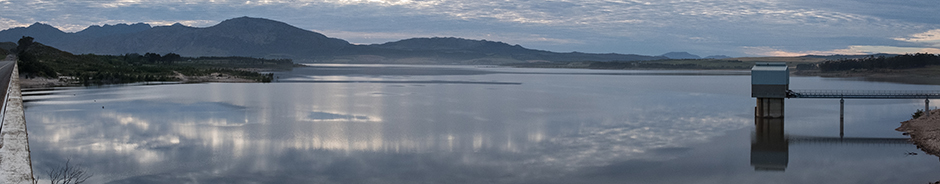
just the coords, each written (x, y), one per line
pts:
(3, 53)
(655, 64)
(917, 114)
(5, 49)
(38, 60)
(906, 61)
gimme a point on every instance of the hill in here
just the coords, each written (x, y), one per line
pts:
(39, 60)
(464, 51)
(5, 48)
(248, 37)
(8, 46)
(681, 55)
(264, 38)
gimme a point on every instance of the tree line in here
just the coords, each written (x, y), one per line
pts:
(905, 61)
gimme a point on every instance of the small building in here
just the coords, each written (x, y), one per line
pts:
(770, 80)
(769, 84)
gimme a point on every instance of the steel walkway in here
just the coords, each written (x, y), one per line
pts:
(847, 140)
(863, 94)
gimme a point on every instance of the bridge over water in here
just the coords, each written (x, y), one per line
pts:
(864, 94)
(770, 85)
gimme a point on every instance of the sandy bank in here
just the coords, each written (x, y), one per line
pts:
(924, 132)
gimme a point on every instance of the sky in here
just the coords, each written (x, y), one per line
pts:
(649, 27)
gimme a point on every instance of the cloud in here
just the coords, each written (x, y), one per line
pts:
(358, 37)
(624, 26)
(191, 23)
(10, 23)
(117, 3)
(851, 50)
(931, 38)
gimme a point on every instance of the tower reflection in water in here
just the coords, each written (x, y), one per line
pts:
(769, 146)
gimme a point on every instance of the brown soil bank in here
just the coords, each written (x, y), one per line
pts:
(924, 132)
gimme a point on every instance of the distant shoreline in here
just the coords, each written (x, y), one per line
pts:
(39, 82)
(926, 76)
(921, 76)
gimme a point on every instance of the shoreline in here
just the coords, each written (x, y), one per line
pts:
(924, 132)
(36, 83)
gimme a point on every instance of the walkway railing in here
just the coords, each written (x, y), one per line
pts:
(864, 94)
(847, 140)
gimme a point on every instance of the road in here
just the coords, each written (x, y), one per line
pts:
(6, 69)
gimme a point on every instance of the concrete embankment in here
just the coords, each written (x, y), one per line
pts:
(924, 132)
(15, 164)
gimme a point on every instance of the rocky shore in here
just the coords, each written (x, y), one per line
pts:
(924, 132)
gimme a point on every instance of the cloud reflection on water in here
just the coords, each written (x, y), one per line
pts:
(335, 133)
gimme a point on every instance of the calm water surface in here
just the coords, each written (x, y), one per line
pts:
(462, 124)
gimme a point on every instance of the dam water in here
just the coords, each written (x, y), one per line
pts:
(466, 124)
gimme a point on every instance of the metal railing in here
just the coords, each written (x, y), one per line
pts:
(846, 140)
(867, 94)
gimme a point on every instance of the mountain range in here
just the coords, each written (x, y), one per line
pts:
(264, 38)
(686, 55)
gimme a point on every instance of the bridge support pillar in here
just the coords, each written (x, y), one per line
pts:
(769, 108)
(841, 117)
(927, 107)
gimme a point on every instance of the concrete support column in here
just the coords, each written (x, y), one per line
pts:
(769, 108)
(841, 118)
(927, 107)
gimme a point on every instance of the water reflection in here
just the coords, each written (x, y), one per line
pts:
(769, 147)
(339, 130)
(550, 129)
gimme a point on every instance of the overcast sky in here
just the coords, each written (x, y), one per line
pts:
(648, 27)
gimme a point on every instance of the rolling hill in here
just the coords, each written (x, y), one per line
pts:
(264, 38)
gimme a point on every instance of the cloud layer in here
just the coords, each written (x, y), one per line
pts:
(704, 27)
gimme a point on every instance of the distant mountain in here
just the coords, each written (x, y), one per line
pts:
(250, 37)
(244, 36)
(681, 55)
(110, 30)
(41, 32)
(717, 57)
(451, 44)
(264, 38)
(488, 52)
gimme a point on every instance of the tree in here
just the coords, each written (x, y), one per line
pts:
(169, 58)
(23, 44)
(68, 174)
(152, 57)
(29, 63)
